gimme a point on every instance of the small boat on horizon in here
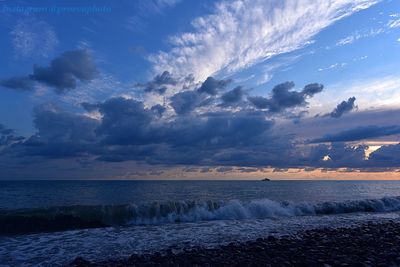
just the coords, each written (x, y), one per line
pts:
(266, 180)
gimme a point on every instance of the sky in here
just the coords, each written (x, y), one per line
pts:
(169, 89)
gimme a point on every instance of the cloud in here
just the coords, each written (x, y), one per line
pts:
(159, 83)
(65, 70)
(374, 93)
(359, 133)
(336, 155)
(233, 96)
(386, 156)
(334, 66)
(241, 33)
(211, 85)
(394, 23)
(124, 121)
(224, 169)
(59, 134)
(186, 101)
(19, 83)
(158, 109)
(126, 129)
(282, 98)
(31, 37)
(312, 89)
(359, 35)
(310, 127)
(343, 107)
(63, 73)
(8, 137)
(248, 170)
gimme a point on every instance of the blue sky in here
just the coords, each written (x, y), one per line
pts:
(115, 55)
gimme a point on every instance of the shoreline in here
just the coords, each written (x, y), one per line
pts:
(368, 244)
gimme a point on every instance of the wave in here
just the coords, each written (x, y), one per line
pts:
(79, 217)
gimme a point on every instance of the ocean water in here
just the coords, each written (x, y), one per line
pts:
(48, 223)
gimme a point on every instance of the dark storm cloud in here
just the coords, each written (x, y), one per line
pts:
(211, 86)
(125, 121)
(282, 97)
(159, 83)
(359, 133)
(60, 134)
(343, 107)
(233, 96)
(130, 131)
(129, 122)
(62, 74)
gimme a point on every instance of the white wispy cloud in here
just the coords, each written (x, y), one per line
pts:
(334, 66)
(394, 23)
(382, 92)
(241, 33)
(359, 35)
(32, 37)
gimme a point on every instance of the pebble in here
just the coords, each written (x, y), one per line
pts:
(372, 244)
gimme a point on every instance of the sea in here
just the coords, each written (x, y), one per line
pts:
(127, 217)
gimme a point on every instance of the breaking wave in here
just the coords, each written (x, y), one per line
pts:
(78, 217)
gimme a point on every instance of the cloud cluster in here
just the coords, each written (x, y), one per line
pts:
(159, 83)
(213, 125)
(343, 107)
(62, 74)
(130, 131)
(360, 133)
(282, 97)
(59, 134)
(211, 86)
(233, 96)
(186, 101)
